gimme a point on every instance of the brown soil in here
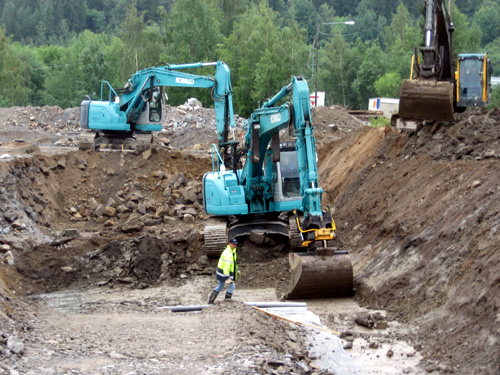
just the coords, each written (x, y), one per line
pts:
(418, 213)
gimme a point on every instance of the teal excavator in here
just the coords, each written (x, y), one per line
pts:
(270, 186)
(126, 117)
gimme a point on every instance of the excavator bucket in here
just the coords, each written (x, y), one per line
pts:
(426, 100)
(320, 276)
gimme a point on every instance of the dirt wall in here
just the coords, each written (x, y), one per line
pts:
(423, 233)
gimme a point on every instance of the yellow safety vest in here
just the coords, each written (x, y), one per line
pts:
(227, 266)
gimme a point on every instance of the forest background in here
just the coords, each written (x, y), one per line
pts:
(54, 52)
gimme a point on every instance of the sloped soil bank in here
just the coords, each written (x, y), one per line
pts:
(419, 213)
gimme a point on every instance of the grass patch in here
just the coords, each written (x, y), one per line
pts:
(379, 122)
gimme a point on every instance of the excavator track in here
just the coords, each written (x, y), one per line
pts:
(143, 142)
(295, 237)
(93, 141)
(215, 237)
(326, 273)
(426, 100)
(86, 141)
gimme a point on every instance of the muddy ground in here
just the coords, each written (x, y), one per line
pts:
(101, 241)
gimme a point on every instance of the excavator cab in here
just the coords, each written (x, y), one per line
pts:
(286, 178)
(473, 80)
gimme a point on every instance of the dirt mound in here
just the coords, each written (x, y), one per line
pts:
(474, 135)
(40, 125)
(420, 225)
(256, 330)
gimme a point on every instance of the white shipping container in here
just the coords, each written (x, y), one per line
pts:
(389, 106)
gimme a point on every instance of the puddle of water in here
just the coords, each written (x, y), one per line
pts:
(325, 346)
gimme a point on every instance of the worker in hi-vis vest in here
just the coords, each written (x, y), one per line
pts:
(227, 271)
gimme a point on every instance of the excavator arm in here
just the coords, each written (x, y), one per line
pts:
(428, 94)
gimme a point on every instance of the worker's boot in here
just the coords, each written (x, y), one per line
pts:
(212, 298)
(228, 296)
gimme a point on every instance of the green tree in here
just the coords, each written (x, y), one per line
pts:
(278, 6)
(46, 25)
(93, 63)
(343, 8)
(495, 98)
(304, 12)
(24, 24)
(401, 38)
(231, 11)
(132, 33)
(74, 13)
(37, 73)
(326, 13)
(64, 83)
(338, 69)
(9, 18)
(193, 34)
(194, 31)
(14, 73)
(279, 63)
(487, 17)
(262, 56)
(369, 26)
(402, 29)
(494, 55)
(389, 85)
(253, 33)
(373, 67)
(468, 7)
(467, 36)
(95, 20)
(65, 87)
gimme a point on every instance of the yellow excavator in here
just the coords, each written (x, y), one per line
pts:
(436, 90)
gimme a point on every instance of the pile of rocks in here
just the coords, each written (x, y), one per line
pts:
(47, 118)
(191, 126)
(474, 135)
(132, 210)
(143, 261)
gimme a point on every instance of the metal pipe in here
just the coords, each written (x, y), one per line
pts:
(263, 305)
(266, 305)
